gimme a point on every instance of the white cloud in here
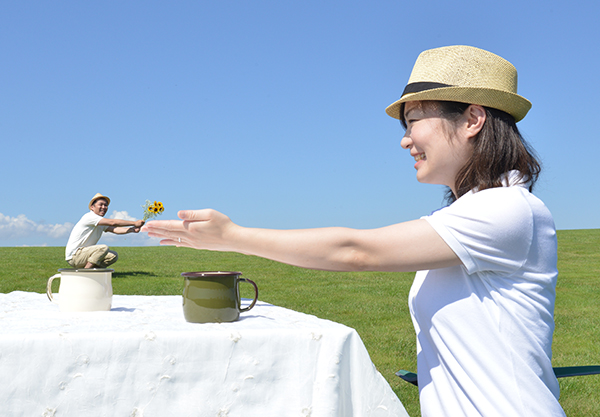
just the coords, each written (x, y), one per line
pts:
(123, 215)
(21, 227)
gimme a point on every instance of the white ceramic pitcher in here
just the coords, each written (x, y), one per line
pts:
(82, 289)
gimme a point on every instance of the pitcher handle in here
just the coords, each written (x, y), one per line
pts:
(49, 288)
(255, 294)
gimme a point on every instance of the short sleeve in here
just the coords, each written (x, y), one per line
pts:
(490, 230)
(91, 219)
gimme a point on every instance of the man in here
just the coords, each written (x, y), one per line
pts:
(81, 250)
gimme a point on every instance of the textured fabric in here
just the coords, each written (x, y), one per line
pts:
(484, 329)
(143, 359)
(85, 233)
(99, 255)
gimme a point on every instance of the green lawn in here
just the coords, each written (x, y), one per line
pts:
(375, 304)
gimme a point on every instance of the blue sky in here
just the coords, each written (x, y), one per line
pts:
(270, 111)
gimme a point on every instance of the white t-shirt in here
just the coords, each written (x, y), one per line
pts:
(484, 329)
(85, 233)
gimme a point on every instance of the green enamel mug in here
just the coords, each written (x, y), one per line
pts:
(214, 296)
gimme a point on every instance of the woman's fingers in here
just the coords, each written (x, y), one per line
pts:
(200, 229)
(196, 215)
(165, 229)
(176, 242)
(156, 225)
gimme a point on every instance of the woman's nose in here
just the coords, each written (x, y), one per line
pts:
(405, 142)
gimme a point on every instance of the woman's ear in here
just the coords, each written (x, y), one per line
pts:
(476, 117)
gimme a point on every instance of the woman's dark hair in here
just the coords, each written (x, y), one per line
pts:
(497, 149)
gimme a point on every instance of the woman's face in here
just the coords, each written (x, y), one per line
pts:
(440, 148)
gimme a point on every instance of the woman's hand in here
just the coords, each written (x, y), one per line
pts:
(198, 229)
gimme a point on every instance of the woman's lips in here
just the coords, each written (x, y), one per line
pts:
(420, 156)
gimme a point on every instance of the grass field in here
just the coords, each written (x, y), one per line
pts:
(375, 304)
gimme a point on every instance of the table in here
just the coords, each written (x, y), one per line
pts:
(142, 359)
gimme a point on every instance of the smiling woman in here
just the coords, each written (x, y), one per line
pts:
(439, 148)
(496, 147)
(482, 301)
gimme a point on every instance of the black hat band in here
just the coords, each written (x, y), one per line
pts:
(422, 86)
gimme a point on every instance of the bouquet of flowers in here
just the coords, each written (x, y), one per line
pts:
(151, 210)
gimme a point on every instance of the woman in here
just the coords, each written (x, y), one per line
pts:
(482, 302)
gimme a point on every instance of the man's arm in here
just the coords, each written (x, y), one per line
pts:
(120, 226)
(123, 230)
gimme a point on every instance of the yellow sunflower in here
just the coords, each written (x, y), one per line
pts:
(151, 210)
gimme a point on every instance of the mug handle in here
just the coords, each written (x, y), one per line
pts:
(49, 288)
(255, 294)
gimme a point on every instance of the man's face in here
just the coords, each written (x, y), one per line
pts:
(100, 207)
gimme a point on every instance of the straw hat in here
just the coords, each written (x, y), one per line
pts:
(467, 75)
(96, 197)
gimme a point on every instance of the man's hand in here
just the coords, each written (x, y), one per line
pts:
(122, 230)
(136, 227)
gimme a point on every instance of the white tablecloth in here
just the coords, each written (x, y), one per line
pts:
(142, 359)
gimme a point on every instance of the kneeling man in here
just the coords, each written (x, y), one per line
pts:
(81, 250)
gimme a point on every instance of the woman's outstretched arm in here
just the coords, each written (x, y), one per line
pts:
(409, 246)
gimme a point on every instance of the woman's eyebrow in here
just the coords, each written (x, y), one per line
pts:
(408, 113)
